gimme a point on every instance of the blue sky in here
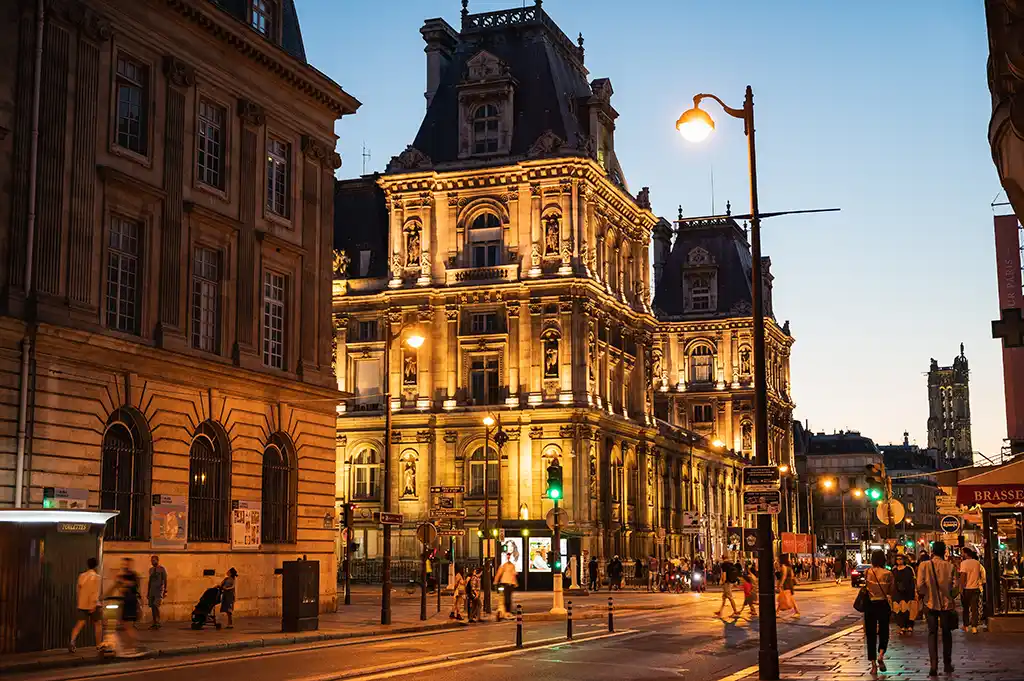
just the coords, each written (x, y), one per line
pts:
(879, 108)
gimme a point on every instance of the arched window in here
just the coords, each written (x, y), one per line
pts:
(209, 484)
(485, 129)
(125, 475)
(615, 484)
(485, 240)
(279, 491)
(478, 474)
(365, 472)
(632, 484)
(702, 365)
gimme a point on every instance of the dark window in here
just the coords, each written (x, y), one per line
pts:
(131, 105)
(261, 17)
(702, 413)
(210, 145)
(205, 299)
(485, 129)
(483, 377)
(124, 478)
(477, 473)
(367, 330)
(484, 322)
(209, 486)
(123, 275)
(278, 502)
(278, 154)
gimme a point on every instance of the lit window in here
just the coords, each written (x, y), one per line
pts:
(123, 276)
(205, 299)
(261, 17)
(279, 490)
(477, 473)
(209, 485)
(702, 365)
(273, 320)
(365, 470)
(278, 153)
(485, 129)
(485, 240)
(210, 145)
(131, 105)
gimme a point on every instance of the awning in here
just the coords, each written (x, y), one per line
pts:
(999, 487)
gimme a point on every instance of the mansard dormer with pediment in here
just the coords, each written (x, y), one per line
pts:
(485, 107)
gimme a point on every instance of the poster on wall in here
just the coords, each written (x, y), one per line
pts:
(734, 538)
(540, 550)
(246, 532)
(168, 522)
(512, 548)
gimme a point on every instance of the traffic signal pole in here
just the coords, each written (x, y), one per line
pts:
(557, 602)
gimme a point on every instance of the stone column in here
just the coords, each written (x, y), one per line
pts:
(536, 233)
(565, 238)
(426, 240)
(452, 360)
(565, 359)
(512, 307)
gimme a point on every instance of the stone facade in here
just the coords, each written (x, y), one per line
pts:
(177, 316)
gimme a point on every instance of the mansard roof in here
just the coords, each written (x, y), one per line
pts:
(291, 34)
(551, 91)
(361, 224)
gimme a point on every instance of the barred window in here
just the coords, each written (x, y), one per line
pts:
(123, 253)
(210, 145)
(279, 491)
(273, 320)
(131, 105)
(261, 17)
(205, 299)
(209, 485)
(478, 475)
(365, 472)
(278, 154)
(124, 476)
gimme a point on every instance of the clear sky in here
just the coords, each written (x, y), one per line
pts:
(877, 107)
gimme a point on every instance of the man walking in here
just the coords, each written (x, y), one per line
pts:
(729, 577)
(652, 573)
(592, 568)
(156, 589)
(970, 588)
(506, 579)
(935, 585)
(88, 603)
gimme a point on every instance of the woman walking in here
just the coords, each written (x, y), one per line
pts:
(879, 583)
(787, 586)
(904, 599)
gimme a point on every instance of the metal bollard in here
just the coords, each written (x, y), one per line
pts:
(519, 626)
(568, 621)
(611, 615)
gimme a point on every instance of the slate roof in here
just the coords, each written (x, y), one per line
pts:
(291, 34)
(361, 223)
(849, 442)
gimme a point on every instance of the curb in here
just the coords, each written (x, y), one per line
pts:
(807, 647)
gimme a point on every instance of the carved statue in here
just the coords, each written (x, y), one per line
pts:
(551, 236)
(409, 479)
(535, 256)
(410, 368)
(748, 436)
(745, 361)
(551, 358)
(412, 248)
(655, 365)
(592, 350)
(341, 263)
(396, 265)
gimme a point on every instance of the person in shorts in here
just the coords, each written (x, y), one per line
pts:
(88, 603)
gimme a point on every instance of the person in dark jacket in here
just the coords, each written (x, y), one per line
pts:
(904, 599)
(615, 574)
(594, 584)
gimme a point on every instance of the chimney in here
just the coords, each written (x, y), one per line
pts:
(441, 40)
(662, 245)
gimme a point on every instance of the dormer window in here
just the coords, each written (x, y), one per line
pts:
(700, 293)
(485, 129)
(261, 17)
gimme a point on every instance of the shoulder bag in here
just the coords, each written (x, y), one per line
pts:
(948, 618)
(860, 604)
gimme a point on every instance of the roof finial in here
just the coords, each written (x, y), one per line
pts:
(961, 349)
(728, 208)
(579, 41)
(465, 8)
(680, 212)
(539, 3)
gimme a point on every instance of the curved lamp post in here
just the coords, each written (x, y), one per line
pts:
(695, 125)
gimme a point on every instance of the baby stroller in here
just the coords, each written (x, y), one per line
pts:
(202, 614)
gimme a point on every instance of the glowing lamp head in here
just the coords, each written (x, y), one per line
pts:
(415, 341)
(783, 469)
(828, 483)
(695, 125)
(488, 421)
(718, 443)
(857, 493)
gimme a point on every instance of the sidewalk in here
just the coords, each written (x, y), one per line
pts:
(976, 657)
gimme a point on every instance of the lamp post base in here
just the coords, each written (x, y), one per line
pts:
(557, 602)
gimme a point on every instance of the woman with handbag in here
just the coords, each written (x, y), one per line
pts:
(879, 587)
(904, 600)
(935, 584)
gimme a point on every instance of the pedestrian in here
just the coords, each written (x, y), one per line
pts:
(787, 587)
(458, 594)
(904, 599)
(126, 588)
(87, 598)
(652, 573)
(729, 578)
(592, 574)
(507, 582)
(749, 595)
(638, 573)
(474, 595)
(615, 574)
(879, 583)
(227, 596)
(935, 584)
(971, 582)
(697, 575)
(156, 589)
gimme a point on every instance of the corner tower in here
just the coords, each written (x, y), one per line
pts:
(949, 413)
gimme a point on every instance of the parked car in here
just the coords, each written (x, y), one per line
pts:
(857, 575)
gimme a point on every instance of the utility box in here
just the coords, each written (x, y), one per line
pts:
(300, 595)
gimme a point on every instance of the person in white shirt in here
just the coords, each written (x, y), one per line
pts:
(506, 579)
(88, 603)
(971, 583)
(935, 585)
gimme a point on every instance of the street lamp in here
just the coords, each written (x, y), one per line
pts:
(414, 340)
(828, 484)
(695, 125)
(490, 535)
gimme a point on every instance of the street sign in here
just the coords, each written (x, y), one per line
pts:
(426, 533)
(452, 533)
(447, 513)
(950, 524)
(445, 502)
(448, 489)
(760, 478)
(769, 502)
(946, 504)
(883, 512)
(388, 518)
(563, 518)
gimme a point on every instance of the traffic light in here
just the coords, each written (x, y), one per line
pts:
(877, 482)
(874, 493)
(554, 481)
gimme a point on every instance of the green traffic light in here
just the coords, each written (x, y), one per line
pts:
(554, 493)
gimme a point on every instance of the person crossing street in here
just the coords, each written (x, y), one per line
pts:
(507, 581)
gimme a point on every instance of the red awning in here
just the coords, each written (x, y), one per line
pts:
(1002, 487)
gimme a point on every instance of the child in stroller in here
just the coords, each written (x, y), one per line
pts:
(202, 614)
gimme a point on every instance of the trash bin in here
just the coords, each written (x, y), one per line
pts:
(300, 595)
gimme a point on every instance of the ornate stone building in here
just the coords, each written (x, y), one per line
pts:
(949, 413)
(165, 313)
(506, 235)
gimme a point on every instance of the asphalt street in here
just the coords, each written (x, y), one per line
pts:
(682, 642)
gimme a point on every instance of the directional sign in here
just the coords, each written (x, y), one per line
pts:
(445, 502)
(388, 518)
(760, 478)
(448, 489)
(950, 524)
(452, 533)
(762, 502)
(447, 513)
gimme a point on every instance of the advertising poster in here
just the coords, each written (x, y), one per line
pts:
(512, 547)
(734, 538)
(246, 532)
(540, 550)
(168, 522)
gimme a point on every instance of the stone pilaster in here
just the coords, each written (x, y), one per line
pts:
(250, 176)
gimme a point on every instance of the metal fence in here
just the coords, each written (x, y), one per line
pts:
(369, 570)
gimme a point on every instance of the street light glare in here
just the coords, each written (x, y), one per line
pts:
(488, 421)
(827, 482)
(718, 443)
(783, 469)
(415, 341)
(695, 125)
(857, 493)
